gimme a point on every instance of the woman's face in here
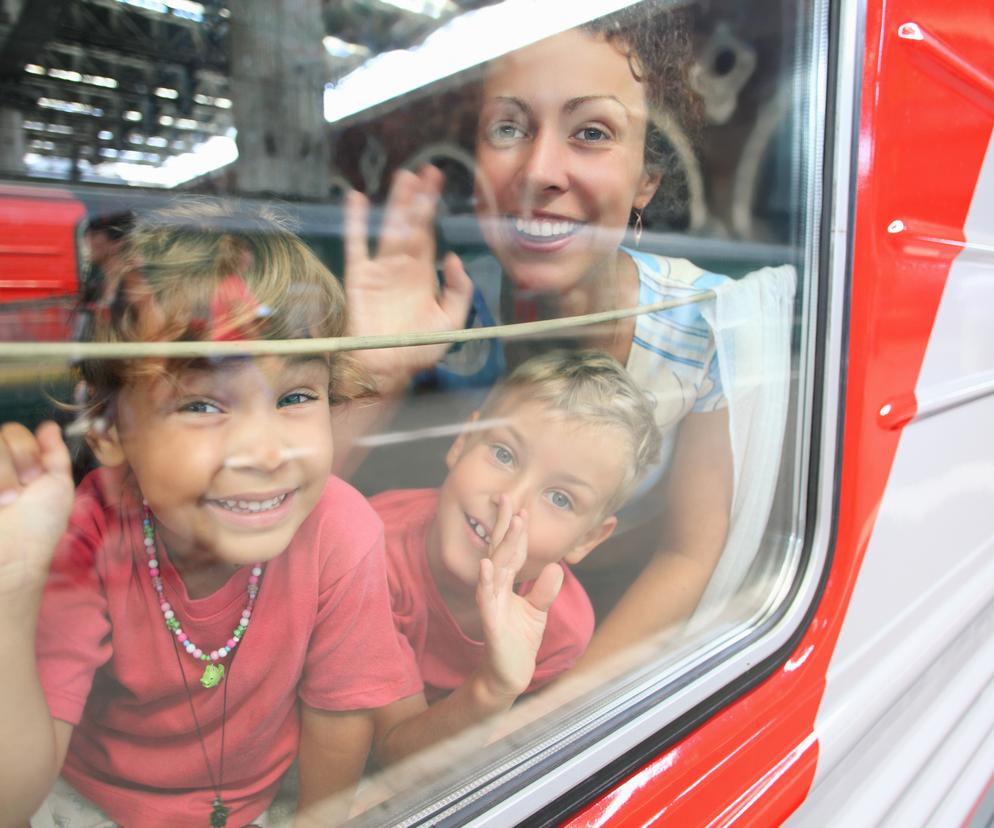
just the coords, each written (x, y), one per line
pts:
(560, 159)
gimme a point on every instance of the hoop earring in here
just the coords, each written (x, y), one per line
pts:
(637, 230)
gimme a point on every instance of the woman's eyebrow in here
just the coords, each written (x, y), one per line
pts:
(575, 103)
(510, 99)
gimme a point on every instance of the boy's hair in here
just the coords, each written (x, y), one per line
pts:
(592, 387)
(203, 270)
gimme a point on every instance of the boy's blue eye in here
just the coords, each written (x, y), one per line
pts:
(560, 500)
(502, 455)
(295, 398)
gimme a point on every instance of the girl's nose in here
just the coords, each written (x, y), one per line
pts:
(257, 445)
(545, 167)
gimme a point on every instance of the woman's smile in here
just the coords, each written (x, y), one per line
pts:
(560, 167)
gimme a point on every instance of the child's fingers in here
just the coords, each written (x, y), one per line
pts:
(54, 453)
(517, 541)
(356, 230)
(23, 456)
(485, 589)
(546, 587)
(501, 523)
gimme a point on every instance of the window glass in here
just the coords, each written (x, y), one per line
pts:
(584, 509)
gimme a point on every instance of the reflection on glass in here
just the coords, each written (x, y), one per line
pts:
(568, 511)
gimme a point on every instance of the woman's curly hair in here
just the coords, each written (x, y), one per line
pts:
(656, 37)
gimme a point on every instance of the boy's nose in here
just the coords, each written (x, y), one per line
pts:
(517, 491)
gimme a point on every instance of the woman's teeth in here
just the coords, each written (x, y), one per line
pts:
(477, 527)
(544, 229)
(249, 506)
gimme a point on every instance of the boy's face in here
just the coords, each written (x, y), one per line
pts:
(231, 458)
(559, 470)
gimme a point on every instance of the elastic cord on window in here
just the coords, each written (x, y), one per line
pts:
(133, 350)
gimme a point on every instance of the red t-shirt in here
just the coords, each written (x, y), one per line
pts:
(321, 632)
(445, 655)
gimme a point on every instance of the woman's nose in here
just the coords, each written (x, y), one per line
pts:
(545, 167)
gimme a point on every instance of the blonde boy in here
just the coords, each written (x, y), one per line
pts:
(479, 568)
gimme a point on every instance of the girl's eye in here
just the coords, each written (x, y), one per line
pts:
(502, 455)
(592, 135)
(201, 407)
(295, 398)
(560, 499)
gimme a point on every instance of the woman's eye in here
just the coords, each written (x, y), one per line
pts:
(505, 131)
(560, 500)
(295, 398)
(201, 407)
(502, 455)
(592, 135)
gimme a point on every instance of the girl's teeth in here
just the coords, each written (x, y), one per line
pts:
(252, 505)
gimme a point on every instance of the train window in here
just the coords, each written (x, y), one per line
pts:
(538, 284)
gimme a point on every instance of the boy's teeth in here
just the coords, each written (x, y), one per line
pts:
(252, 505)
(480, 531)
(543, 228)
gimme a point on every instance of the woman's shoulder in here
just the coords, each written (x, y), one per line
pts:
(664, 274)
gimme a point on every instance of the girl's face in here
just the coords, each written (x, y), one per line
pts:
(560, 159)
(231, 458)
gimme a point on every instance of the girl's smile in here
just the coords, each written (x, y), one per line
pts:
(231, 458)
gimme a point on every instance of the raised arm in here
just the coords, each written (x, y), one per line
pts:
(397, 292)
(697, 501)
(513, 626)
(36, 495)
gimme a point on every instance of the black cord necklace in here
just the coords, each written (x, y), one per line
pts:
(219, 811)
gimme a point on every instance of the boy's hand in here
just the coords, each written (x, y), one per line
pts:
(36, 496)
(513, 625)
(396, 291)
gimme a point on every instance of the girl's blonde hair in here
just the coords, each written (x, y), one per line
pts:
(593, 388)
(204, 270)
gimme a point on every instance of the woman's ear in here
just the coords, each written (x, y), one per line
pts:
(456, 449)
(648, 184)
(105, 443)
(591, 540)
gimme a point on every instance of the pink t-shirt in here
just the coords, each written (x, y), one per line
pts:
(321, 632)
(445, 655)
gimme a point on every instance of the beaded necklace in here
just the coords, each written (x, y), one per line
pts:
(213, 671)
